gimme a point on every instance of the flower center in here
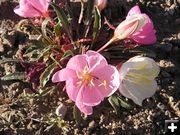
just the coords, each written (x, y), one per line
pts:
(87, 78)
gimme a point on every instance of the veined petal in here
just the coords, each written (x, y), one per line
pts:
(140, 90)
(77, 63)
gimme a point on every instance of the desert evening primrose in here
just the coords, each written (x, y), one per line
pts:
(137, 26)
(89, 79)
(137, 78)
(32, 8)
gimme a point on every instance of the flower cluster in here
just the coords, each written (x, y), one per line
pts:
(88, 77)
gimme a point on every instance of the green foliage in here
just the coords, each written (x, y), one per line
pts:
(117, 103)
(63, 19)
(14, 76)
(77, 115)
(45, 76)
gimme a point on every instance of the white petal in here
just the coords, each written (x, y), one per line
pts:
(140, 90)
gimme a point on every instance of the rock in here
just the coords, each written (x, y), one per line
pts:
(92, 125)
(1, 48)
(169, 2)
(61, 110)
(161, 106)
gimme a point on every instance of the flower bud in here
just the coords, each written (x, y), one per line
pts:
(130, 26)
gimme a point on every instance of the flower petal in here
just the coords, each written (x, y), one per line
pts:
(140, 90)
(146, 35)
(25, 9)
(63, 75)
(77, 63)
(38, 5)
(95, 60)
(108, 80)
(72, 88)
(92, 96)
(134, 10)
(88, 110)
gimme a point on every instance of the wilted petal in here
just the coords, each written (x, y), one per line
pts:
(140, 90)
(137, 78)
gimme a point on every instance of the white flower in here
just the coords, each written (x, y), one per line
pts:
(137, 77)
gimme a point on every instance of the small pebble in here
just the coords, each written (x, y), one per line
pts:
(61, 110)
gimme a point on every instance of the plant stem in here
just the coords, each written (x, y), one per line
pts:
(107, 44)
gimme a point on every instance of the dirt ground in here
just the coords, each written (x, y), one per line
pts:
(24, 115)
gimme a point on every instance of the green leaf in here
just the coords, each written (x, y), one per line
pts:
(113, 100)
(69, 9)
(14, 76)
(7, 60)
(62, 18)
(57, 29)
(43, 52)
(47, 74)
(124, 103)
(44, 30)
(77, 115)
(97, 23)
(90, 6)
(67, 54)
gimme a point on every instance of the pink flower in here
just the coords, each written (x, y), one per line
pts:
(136, 26)
(32, 8)
(101, 4)
(145, 35)
(89, 79)
(129, 27)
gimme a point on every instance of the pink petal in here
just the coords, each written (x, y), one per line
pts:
(72, 88)
(63, 75)
(134, 10)
(92, 96)
(126, 28)
(38, 5)
(95, 60)
(77, 63)
(26, 10)
(88, 110)
(109, 74)
(146, 35)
